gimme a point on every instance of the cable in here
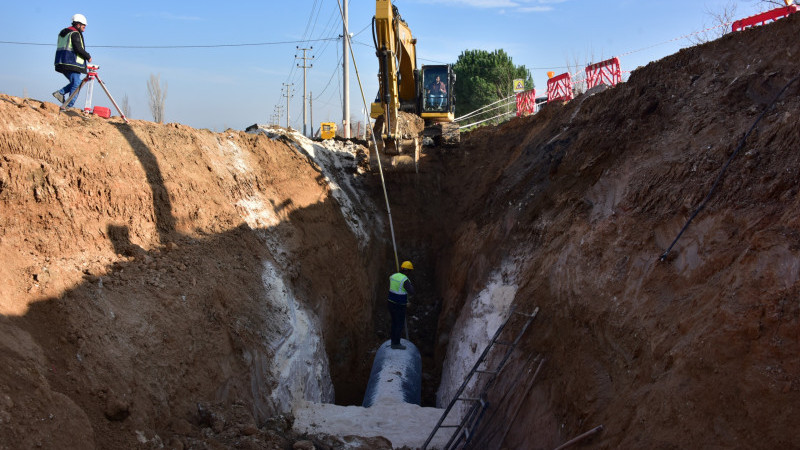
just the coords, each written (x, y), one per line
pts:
(333, 74)
(725, 167)
(482, 108)
(163, 47)
(504, 105)
(486, 120)
(377, 155)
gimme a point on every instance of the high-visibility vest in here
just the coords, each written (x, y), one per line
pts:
(65, 54)
(396, 283)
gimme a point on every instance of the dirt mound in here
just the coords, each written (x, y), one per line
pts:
(573, 207)
(152, 269)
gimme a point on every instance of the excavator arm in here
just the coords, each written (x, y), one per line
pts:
(404, 116)
(397, 57)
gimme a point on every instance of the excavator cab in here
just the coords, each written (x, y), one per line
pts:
(437, 104)
(436, 92)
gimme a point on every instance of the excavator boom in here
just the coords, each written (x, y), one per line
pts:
(407, 103)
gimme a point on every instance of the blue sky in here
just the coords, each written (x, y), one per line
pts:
(238, 85)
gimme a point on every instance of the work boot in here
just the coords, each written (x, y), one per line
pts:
(398, 347)
(59, 96)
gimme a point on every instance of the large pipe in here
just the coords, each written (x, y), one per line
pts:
(577, 439)
(396, 375)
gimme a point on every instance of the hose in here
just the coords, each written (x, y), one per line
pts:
(375, 146)
(725, 167)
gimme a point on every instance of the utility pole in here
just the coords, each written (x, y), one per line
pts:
(288, 95)
(345, 72)
(311, 112)
(304, 67)
(366, 123)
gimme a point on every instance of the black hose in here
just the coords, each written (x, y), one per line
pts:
(725, 167)
(374, 35)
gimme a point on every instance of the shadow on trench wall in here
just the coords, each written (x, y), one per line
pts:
(162, 205)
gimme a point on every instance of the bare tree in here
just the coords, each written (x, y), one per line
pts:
(125, 105)
(771, 4)
(721, 20)
(577, 68)
(156, 96)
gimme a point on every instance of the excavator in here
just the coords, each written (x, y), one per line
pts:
(414, 106)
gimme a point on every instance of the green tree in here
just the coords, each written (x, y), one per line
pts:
(485, 77)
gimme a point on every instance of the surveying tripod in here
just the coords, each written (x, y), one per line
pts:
(92, 75)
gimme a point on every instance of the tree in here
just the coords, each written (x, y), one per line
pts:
(721, 20)
(156, 96)
(771, 4)
(485, 77)
(125, 105)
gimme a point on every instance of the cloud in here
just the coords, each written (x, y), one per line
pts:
(530, 9)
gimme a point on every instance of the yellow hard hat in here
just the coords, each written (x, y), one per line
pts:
(407, 265)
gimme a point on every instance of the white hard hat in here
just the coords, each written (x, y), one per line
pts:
(79, 18)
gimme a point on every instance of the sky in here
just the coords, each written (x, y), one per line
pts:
(246, 51)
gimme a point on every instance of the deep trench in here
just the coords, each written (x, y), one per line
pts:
(417, 222)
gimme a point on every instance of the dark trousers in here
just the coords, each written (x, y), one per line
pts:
(398, 313)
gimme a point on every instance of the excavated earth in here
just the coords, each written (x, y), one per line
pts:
(145, 268)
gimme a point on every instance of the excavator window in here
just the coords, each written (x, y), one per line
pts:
(436, 90)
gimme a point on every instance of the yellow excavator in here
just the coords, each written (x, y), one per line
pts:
(414, 106)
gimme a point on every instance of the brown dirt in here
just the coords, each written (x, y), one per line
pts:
(133, 303)
(132, 287)
(699, 351)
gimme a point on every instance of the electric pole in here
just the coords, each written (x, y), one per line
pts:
(288, 95)
(304, 67)
(311, 112)
(345, 72)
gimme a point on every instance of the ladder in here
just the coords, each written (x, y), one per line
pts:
(465, 429)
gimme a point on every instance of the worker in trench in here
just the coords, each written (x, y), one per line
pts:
(400, 288)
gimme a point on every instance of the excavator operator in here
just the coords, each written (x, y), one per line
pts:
(437, 93)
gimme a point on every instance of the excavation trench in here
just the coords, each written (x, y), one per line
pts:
(147, 270)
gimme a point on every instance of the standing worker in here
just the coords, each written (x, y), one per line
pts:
(71, 58)
(399, 289)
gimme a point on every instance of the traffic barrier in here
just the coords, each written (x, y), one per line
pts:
(608, 72)
(526, 103)
(760, 19)
(559, 88)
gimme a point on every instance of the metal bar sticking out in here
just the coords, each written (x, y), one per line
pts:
(464, 384)
(458, 434)
(579, 438)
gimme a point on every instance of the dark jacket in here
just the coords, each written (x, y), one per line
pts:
(71, 54)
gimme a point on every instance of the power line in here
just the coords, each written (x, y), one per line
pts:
(163, 47)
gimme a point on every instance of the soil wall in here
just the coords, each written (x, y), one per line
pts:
(158, 281)
(582, 199)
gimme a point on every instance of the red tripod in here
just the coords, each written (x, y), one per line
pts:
(91, 76)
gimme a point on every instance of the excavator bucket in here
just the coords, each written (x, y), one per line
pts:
(399, 154)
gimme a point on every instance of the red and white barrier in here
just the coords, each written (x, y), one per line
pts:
(761, 19)
(526, 103)
(559, 88)
(605, 72)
